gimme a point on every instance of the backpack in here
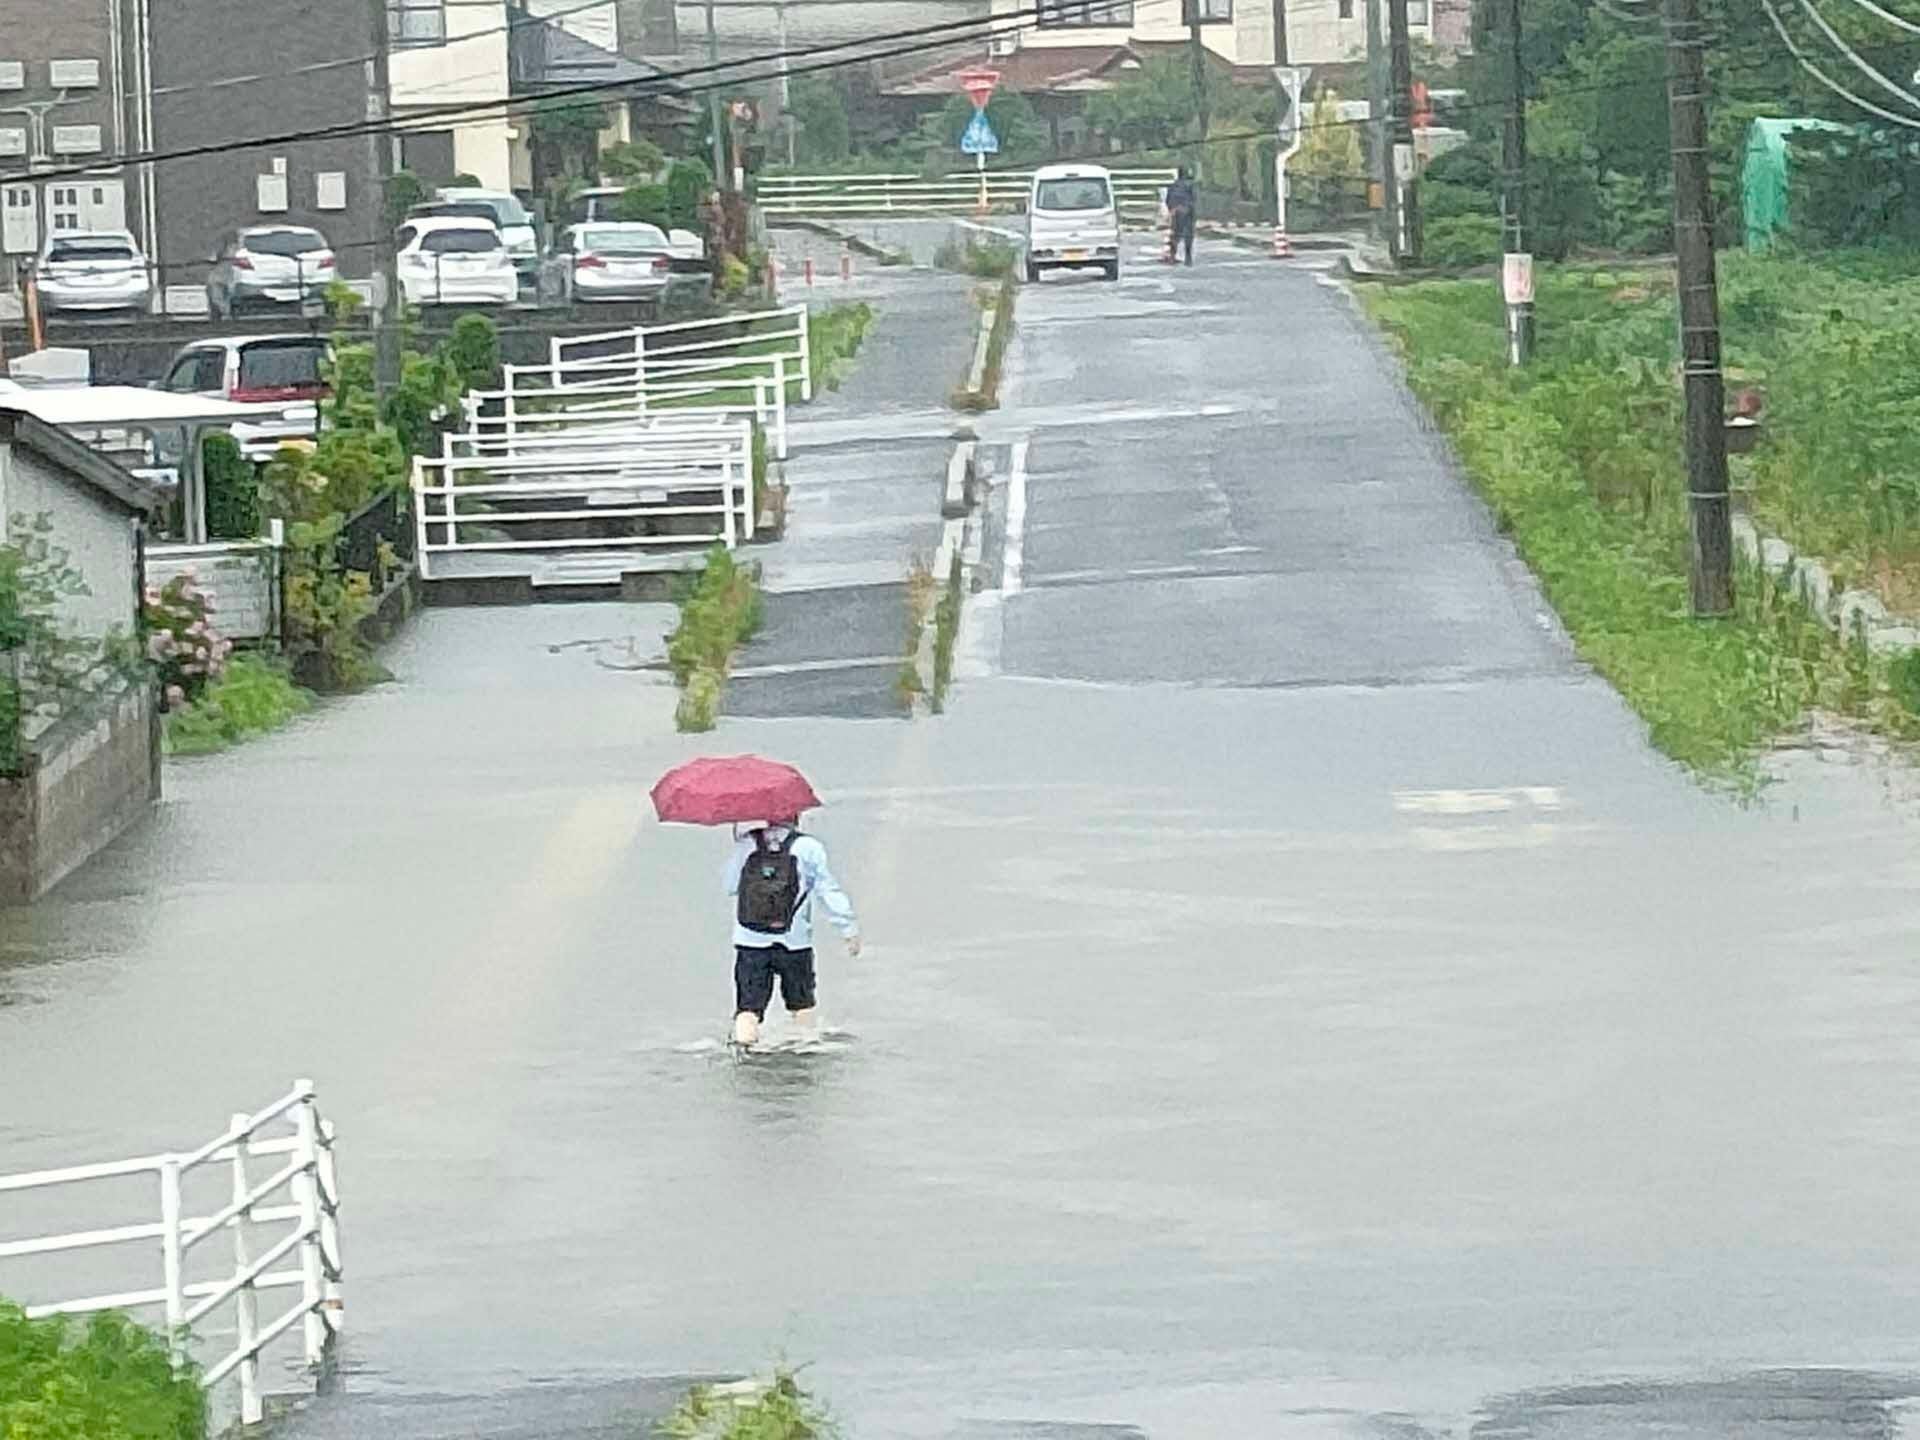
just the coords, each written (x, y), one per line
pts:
(770, 886)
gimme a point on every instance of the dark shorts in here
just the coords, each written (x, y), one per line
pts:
(753, 971)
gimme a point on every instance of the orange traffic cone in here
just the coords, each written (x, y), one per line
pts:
(1281, 249)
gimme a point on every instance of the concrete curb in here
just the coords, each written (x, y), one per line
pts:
(961, 540)
(1847, 613)
(977, 375)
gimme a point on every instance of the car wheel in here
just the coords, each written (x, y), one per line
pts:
(1113, 270)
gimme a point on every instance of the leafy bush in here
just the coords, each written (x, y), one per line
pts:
(983, 259)
(688, 182)
(646, 204)
(1458, 240)
(783, 1411)
(472, 352)
(254, 696)
(106, 1379)
(834, 333)
(1903, 678)
(720, 610)
(186, 651)
(233, 489)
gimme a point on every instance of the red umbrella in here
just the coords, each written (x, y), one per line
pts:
(730, 789)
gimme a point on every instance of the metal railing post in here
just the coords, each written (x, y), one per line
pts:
(780, 406)
(423, 556)
(806, 356)
(334, 1305)
(726, 503)
(246, 1305)
(170, 1254)
(640, 355)
(306, 1126)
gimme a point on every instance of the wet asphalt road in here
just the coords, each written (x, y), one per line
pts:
(1368, 1036)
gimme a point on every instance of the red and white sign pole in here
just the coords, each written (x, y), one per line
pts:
(978, 84)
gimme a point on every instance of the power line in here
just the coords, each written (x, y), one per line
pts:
(1887, 15)
(1860, 64)
(483, 109)
(1827, 80)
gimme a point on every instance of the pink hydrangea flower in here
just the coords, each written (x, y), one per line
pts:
(176, 697)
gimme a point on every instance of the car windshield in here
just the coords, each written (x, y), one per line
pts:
(91, 247)
(282, 364)
(284, 242)
(464, 209)
(637, 241)
(459, 242)
(1080, 192)
(503, 210)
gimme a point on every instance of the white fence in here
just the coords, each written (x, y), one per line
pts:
(241, 579)
(1136, 192)
(508, 415)
(768, 343)
(307, 1190)
(596, 484)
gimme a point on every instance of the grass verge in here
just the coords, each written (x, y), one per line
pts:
(982, 259)
(253, 697)
(719, 611)
(946, 630)
(1579, 458)
(834, 333)
(987, 397)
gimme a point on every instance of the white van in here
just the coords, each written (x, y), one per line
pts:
(1072, 221)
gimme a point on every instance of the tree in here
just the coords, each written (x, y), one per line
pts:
(818, 112)
(1023, 138)
(1331, 161)
(403, 192)
(631, 160)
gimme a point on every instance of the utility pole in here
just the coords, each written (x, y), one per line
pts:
(1197, 60)
(381, 142)
(786, 87)
(1400, 133)
(1280, 32)
(1711, 571)
(1377, 119)
(1518, 277)
(713, 101)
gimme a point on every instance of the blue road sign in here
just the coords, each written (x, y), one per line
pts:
(979, 138)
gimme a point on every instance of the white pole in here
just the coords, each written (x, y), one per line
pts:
(246, 1304)
(780, 406)
(176, 1303)
(307, 1196)
(806, 356)
(726, 502)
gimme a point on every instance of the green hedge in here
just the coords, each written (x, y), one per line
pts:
(104, 1378)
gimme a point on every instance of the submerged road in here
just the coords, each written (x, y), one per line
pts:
(1297, 1001)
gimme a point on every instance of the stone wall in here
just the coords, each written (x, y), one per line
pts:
(86, 780)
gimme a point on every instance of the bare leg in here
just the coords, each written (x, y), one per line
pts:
(803, 1019)
(746, 1028)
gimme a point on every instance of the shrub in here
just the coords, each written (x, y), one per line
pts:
(720, 610)
(185, 649)
(233, 489)
(1457, 240)
(253, 697)
(783, 1411)
(1903, 678)
(647, 204)
(106, 1379)
(834, 335)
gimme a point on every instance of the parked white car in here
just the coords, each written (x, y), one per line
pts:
(1072, 221)
(254, 368)
(608, 260)
(510, 218)
(92, 270)
(269, 265)
(455, 260)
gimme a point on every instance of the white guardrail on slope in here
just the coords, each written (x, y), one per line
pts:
(756, 342)
(1136, 192)
(309, 1247)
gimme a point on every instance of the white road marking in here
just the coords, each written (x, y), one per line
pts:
(1475, 802)
(1015, 558)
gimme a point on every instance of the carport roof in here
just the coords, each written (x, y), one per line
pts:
(110, 405)
(24, 428)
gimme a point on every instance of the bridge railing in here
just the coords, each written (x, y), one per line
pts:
(759, 343)
(1136, 193)
(637, 487)
(302, 1194)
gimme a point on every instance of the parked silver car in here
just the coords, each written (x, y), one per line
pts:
(610, 260)
(92, 270)
(266, 265)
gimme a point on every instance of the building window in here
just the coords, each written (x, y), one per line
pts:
(1419, 12)
(417, 22)
(1081, 13)
(13, 74)
(76, 139)
(73, 74)
(1346, 9)
(1215, 11)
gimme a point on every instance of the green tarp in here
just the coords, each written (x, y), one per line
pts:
(1764, 181)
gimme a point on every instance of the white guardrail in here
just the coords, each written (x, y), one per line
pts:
(607, 389)
(1136, 192)
(240, 577)
(309, 1247)
(772, 343)
(601, 483)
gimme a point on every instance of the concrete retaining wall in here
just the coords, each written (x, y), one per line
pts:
(86, 780)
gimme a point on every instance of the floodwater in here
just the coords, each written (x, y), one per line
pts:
(1366, 1035)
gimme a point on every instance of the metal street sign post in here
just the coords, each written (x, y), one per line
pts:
(1293, 82)
(978, 139)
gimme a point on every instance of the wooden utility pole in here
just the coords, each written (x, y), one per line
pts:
(1400, 137)
(1197, 61)
(1377, 131)
(1513, 208)
(386, 309)
(1711, 571)
(1280, 32)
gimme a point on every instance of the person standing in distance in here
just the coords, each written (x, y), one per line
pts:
(775, 874)
(1181, 204)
